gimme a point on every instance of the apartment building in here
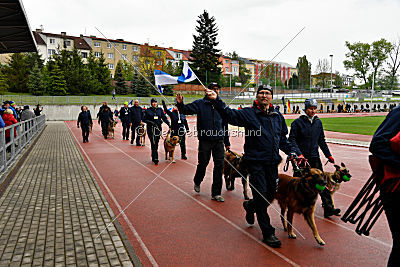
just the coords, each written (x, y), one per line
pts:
(174, 56)
(229, 66)
(114, 51)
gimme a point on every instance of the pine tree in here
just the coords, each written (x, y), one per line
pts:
(3, 81)
(36, 82)
(103, 75)
(304, 71)
(134, 82)
(204, 52)
(58, 85)
(17, 73)
(120, 85)
(142, 88)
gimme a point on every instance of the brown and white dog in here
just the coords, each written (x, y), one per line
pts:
(170, 142)
(299, 195)
(111, 128)
(333, 180)
(235, 161)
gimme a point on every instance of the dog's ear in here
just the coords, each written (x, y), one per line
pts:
(342, 164)
(337, 167)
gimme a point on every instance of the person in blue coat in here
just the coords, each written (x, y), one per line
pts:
(385, 145)
(125, 116)
(154, 117)
(85, 120)
(136, 118)
(265, 134)
(307, 136)
(179, 127)
(212, 132)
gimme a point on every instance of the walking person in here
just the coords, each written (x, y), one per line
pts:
(307, 136)
(38, 110)
(136, 119)
(265, 134)
(113, 95)
(125, 116)
(179, 127)
(154, 117)
(85, 120)
(212, 132)
(385, 146)
(105, 118)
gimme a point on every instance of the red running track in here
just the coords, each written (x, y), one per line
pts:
(169, 224)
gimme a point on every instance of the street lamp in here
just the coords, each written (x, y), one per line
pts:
(331, 71)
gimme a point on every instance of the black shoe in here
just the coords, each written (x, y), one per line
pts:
(249, 213)
(272, 241)
(84, 141)
(138, 144)
(155, 162)
(131, 142)
(329, 212)
(336, 212)
(184, 157)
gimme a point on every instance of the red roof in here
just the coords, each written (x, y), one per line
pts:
(38, 38)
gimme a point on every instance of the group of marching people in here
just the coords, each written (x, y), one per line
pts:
(261, 152)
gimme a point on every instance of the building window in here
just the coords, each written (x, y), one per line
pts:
(108, 45)
(124, 47)
(111, 76)
(97, 54)
(135, 48)
(226, 69)
(67, 43)
(96, 44)
(135, 58)
(51, 52)
(158, 53)
(110, 55)
(124, 57)
(111, 67)
(235, 69)
(178, 56)
(52, 41)
(84, 54)
(226, 61)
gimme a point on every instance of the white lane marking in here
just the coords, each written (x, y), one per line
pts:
(135, 233)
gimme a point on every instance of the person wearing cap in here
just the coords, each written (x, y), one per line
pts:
(179, 126)
(307, 136)
(136, 118)
(27, 114)
(265, 134)
(212, 132)
(13, 108)
(154, 117)
(125, 116)
(85, 120)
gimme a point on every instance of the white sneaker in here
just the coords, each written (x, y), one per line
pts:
(218, 198)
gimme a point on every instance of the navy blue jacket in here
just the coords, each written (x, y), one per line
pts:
(177, 128)
(265, 133)
(306, 137)
(380, 144)
(105, 116)
(155, 117)
(125, 115)
(84, 118)
(210, 125)
(136, 115)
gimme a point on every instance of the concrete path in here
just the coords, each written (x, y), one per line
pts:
(52, 212)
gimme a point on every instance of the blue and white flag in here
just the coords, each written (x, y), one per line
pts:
(163, 78)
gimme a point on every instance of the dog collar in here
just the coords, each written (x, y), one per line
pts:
(169, 141)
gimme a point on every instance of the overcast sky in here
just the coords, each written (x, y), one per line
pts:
(252, 28)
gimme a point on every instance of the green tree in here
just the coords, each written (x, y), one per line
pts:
(36, 83)
(338, 80)
(58, 85)
(3, 81)
(120, 84)
(357, 59)
(304, 71)
(244, 73)
(394, 64)
(204, 51)
(142, 89)
(33, 59)
(168, 90)
(17, 73)
(294, 82)
(378, 55)
(100, 75)
(134, 82)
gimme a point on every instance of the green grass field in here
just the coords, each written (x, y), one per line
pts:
(355, 125)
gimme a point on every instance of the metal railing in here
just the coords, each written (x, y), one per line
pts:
(21, 134)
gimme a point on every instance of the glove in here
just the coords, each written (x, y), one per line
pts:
(331, 159)
(292, 155)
